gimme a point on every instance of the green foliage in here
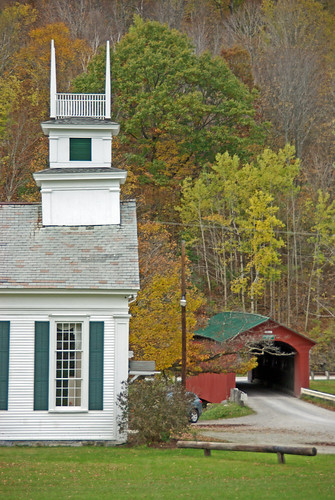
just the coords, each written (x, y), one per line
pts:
(153, 410)
(231, 410)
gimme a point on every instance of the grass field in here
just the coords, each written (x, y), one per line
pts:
(323, 386)
(150, 473)
(230, 410)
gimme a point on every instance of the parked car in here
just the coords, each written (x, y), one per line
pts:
(195, 406)
(196, 409)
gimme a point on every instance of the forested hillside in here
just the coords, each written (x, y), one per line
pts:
(227, 133)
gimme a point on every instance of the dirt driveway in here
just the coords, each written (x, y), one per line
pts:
(279, 420)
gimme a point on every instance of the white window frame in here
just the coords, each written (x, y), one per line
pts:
(84, 321)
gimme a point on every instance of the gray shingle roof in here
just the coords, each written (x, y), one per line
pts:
(78, 170)
(80, 120)
(78, 257)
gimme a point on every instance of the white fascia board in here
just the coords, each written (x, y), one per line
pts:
(57, 177)
(112, 127)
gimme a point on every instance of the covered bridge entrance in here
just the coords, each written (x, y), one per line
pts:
(282, 353)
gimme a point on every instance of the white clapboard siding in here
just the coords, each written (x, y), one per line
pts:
(21, 422)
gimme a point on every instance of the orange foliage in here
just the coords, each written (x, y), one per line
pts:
(32, 62)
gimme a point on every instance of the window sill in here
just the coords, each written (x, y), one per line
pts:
(69, 410)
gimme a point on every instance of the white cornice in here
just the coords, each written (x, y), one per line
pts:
(57, 125)
(120, 175)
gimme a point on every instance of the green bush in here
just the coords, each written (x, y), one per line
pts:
(153, 410)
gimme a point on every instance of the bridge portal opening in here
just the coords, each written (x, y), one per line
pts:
(275, 370)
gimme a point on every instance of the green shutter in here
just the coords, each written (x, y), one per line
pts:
(96, 366)
(4, 364)
(80, 149)
(41, 373)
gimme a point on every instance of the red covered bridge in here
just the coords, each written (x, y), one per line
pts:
(288, 371)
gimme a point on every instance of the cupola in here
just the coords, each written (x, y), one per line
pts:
(80, 187)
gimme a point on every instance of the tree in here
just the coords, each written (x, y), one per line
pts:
(230, 218)
(169, 100)
(170, 12)
(155, 326)
(15, 23)
(323, 241)
(323, 353)
(87, 20)
(291, 48)
(157, 251)
(243, 29)
(31, 63)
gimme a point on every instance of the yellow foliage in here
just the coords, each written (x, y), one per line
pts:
(155, 326)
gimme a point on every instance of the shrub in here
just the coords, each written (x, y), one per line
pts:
(153, 410)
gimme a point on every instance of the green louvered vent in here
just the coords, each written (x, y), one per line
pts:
(41, 372)
(96, 365)
(4, 364)
(80, 149)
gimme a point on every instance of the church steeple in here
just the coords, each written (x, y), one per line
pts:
(81, 187)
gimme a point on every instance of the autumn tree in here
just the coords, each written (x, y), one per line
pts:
(243, 32)
(291, 49)
(87, 20)
(155, 326)
(170, 12)
(15, 23)
(322, 215)
(322, 356)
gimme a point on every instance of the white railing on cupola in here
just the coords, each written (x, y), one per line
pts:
(81, 105)
(67, 105)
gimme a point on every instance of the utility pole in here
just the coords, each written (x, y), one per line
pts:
(183, 316)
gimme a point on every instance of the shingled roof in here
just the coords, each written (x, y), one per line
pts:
(57, 257)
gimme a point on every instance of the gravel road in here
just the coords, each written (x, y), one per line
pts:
(279, 420)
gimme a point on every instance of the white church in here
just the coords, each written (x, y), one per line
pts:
(68, 270)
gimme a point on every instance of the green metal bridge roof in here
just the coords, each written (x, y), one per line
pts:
(226, 325)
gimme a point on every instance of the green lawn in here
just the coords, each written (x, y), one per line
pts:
(147, 473)
(230, 410)
(323, 386)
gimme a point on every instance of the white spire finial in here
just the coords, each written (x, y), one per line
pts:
(108, 83)
(53, 81)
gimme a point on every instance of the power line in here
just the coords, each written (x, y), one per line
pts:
(227, 228)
